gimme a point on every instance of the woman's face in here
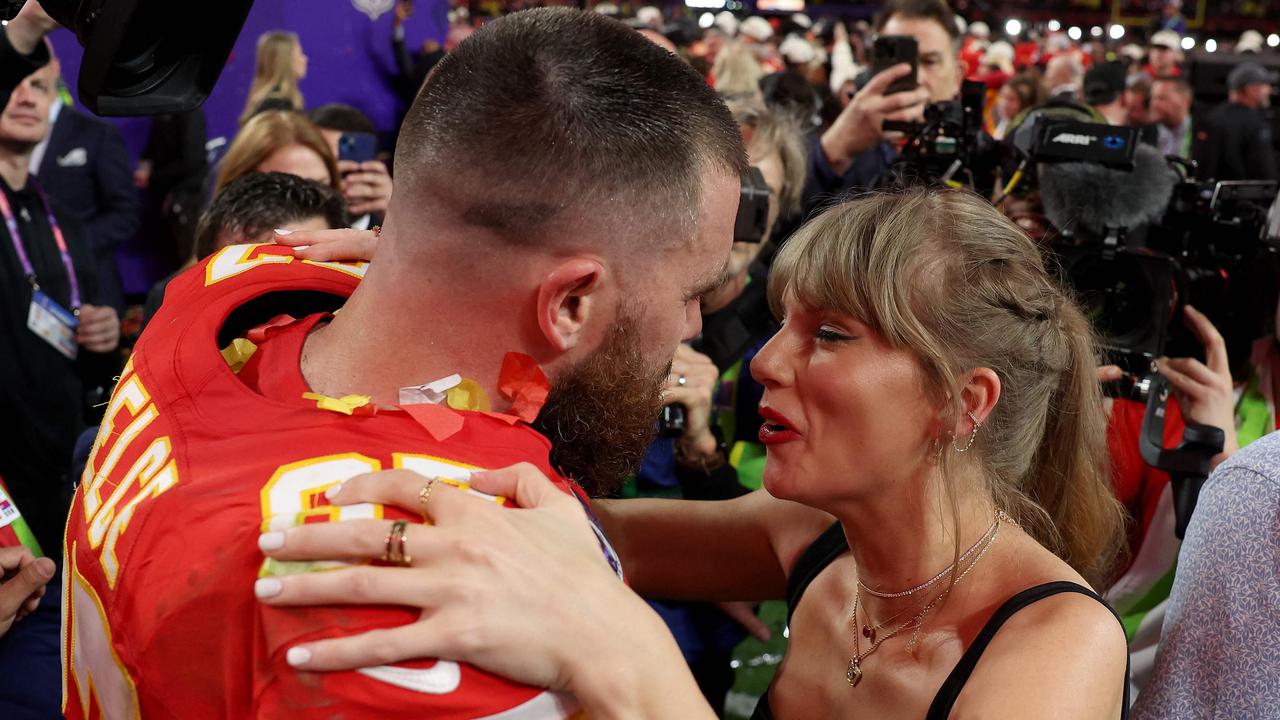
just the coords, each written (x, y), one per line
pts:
(844, 412)
(1010, 104)
(297, 160)
(299, 62)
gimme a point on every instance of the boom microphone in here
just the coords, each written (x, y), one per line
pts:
(1091, 198)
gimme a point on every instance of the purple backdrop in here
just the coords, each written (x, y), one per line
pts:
(350, 61)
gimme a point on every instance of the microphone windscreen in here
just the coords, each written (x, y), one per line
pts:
(1087, 197)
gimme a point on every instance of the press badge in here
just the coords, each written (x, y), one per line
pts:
(53, 324)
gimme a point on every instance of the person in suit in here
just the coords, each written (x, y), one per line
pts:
(1180, 132)
(84, 165)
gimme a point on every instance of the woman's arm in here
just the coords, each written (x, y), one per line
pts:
(740, 549)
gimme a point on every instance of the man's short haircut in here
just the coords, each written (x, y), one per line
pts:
(342, 118)
(261, 202)
(555, 114)
(1180, 83)
(937, 10)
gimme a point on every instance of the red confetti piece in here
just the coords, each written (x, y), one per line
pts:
(440, 422)
(260, 333)
(524, 384)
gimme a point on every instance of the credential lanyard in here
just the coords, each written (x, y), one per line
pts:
(12, 223)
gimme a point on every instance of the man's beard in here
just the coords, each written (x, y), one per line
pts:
(601, 415)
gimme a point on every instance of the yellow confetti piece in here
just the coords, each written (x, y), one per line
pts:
(347, 404)
(238, 353)
(468, 395)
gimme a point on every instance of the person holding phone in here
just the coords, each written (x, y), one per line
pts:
(365, 181)
(853, 153)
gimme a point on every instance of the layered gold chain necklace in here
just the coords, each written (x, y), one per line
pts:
(870, 629)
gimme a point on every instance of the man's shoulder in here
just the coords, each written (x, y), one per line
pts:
(1259, 461)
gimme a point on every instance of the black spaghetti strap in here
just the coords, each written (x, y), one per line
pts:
(943, 702)
(829, 545)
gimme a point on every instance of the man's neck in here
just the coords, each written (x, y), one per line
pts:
(15, 167)
(371, 348)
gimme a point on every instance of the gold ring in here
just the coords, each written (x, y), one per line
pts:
(425, 494)
(396, 539)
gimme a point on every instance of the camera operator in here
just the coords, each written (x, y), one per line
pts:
(853, 153)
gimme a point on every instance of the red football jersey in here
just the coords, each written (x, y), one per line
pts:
(190, 465)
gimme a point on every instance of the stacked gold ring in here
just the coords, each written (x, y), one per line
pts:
(396, 539)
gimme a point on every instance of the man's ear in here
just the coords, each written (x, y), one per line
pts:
(566, 298)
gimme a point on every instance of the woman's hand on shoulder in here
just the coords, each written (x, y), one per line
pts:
(337, 245)
(522, 592)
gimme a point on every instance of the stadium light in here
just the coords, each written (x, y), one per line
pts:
(1013, 28)
(1095, 31)
(1210, 45)
(706, 21)
(1054, 26)
(708, 4)
(1074, 33)
(1188, 43)
(1273, 40)
(1117, 32)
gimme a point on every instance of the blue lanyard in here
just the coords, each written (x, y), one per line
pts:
(12, 223)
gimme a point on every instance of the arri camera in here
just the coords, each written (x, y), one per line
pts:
(1138, 240)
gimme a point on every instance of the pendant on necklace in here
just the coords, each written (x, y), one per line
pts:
(869, 633)
(854, 673)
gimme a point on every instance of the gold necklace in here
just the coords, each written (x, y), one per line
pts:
(853, 673)
(869, 629)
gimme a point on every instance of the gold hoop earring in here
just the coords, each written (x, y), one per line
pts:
(977, 425)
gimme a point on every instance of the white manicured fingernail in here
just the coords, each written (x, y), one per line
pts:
(298, 656)
(282, 231)
(267, 587)
(270, 541)
(332, 492)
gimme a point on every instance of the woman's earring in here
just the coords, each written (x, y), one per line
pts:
(977, 425)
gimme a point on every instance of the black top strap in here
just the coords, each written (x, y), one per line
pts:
(829, 545)
(832, 543)
(955, 682)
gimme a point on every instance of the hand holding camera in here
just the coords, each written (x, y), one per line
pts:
(860, 125)
(691, 384)
(1205, 389)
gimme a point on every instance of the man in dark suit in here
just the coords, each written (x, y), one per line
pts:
(1239, 132)
(84, 165)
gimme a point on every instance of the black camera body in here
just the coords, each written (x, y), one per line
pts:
(146, 57)
(950, 147)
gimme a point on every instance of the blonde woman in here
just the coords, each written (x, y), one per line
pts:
(935, 508)
(279, 67)
(736, 73)
(279, 141)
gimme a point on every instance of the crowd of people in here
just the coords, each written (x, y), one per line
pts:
(650, 324)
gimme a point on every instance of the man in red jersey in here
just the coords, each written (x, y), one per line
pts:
(566, 191)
